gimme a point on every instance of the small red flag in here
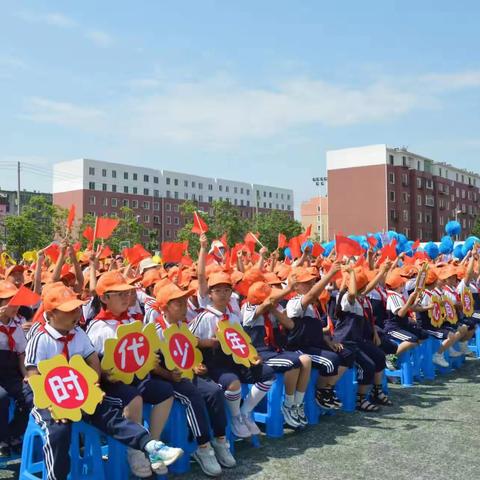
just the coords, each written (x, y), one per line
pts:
(294, 245)
(186, 261)
(224, 241)
(135, 254)
(303, 237)
(105, 226)
(172, 252)
(251, 238)
(372, 241)
(88, 233)
(106, 252)
(389, 251)
(199, 226)
(282, 240)
(24, 298)
(71, 217)
(347, 246)
(317, 250)
(77, 246)
(52, 251)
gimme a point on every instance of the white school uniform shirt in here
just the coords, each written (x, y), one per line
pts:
(205, 325)
(449, 293)
(88, 309)
(462, 286)
(355, 307)
(395, 301)
(249, 319)
(204, 302)
(44, 345)
(151, 311)
(426, 298)
(100, 330)
(295, 309)
(18, 335)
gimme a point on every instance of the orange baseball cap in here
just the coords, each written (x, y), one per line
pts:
(271, 278)
(447, 272)
(432, 276)
(395, 280)
(7, 289)
(219, 278)
(236, 276)
(361, 278)
(60, 297)
(258, 293)
(171, 292)
(151, 276)
(13, 269)
(112, 281)
(302, 274)
(253, 275)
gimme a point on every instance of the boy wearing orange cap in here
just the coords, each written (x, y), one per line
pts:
(306, 336)
(115, 294)
(12, 373)
(261, 318)
(203, 398)
(61, 336)
(221, 368)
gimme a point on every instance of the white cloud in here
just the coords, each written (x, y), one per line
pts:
(452, 81)
(52, 18)
(43, 110)
(99, 38)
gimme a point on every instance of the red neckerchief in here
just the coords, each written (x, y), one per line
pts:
(449, 289)
(269, 338)
(108, 315)
(367, 308)
(225, 316)
(161, 321)
(382, 295)
(9, 331)
(66, 339)
(315, 310)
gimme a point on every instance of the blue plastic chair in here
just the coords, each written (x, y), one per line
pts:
(346, 389)
(83, 466)
(406, 371)
(443, 370)
(474, 343)
(312, 410)
(427, 366)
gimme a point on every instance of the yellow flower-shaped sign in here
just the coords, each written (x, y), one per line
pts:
(180, 350)
(132, 353)
(436, 314)
(468, 305)
(66, 388)
(450, 311)
(236, 342)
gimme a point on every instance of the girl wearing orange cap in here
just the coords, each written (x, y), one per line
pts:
(350, 333)
(261, 318)
(221, 368)
(12, 373)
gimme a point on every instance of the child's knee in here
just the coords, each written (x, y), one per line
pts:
(306, 361)
(235, 385)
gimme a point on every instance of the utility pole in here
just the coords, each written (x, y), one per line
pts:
(18, 188)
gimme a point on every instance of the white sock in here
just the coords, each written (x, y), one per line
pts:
(258, 391)
(233, 398)
(299, 396)
(289, 400)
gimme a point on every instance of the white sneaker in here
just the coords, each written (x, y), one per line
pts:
(207, 460)
(223, 454)
(439, 359)
(161, 455)
(290, 416)
(139, 464)
(454, 353)
(251, 425)
(239, 429)
(302, 418)
(465, 349)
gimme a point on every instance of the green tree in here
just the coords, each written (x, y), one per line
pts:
(476, 228)
(270, 224)
(36, 227)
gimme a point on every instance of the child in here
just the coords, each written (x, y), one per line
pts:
(261, 318)
(12, 373)
(61, 335)
(115, 295)
(200, 395)
(306, 333)
(221, 368)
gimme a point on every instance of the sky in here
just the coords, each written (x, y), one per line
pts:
(254, 91)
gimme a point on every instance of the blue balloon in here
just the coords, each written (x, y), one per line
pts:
(287, 253)
(446, 245)
(378, 236)
(453, 228)
(431, 250)
(328, 246)
(458, 251)
(392, 235)
(402, 239)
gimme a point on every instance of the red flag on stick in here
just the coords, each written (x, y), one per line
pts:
(347, 246)
(199, 226)
(71, 217)
(172, 251)
(389, 251)
(317, 250)
(88, 233)
(303, 237)
(104, 227)
(282, 240)
(52, 251)
(295, 247)
(372, 241)
(136, 254)
(251, 237)
(24, 298)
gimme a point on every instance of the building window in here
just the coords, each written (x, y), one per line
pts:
(235, 202)
(91, 185)
(175, 181)
(167, 194)
(145, 178)
(169, 220)
(104, 187)
(404, 179)
(270, 194)
(167, 233)
(391, 178)
(185, 196)
(125, 175)
(156, 219)
(155, 179)
(404, 161)
(175, 208)
(146, 218)
(419, 200)
(193, 196)
(393, 215)
(114, 174)
(200, 198)
(134, 203)
(105, 202)
(405, 215)
(125, 202)
(114, 188)
(429, 184)
(176, 221)
(104, 172)
(168, 207)
(92, 200)
(248, 203)
(210, 186)
(391, 159)
(392, 196)
(200, 186)
(219, 188)
(146, 191)
(125, 189)
(193, 184)
(227, 188)
(156, 193)
(210, 199)
(135, 190)
(91, 170)
(185, 183)
(168, 180)
(406, 197)
(146, 205)
(114, 202)
(175, 195)
(419, 183)
(156, 205)
(419, 217)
